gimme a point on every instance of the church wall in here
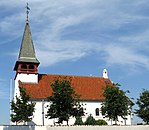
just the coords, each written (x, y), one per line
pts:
(89, 106)
(28, 78)
(38, 114)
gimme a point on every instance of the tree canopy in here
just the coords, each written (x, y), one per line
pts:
(116, 103)
(64, 101)
(22, 109)
(143, 104)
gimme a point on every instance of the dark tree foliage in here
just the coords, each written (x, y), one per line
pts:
(79, 121)
(143, 103)
(22, 109)
(116, 103)
(64, 102)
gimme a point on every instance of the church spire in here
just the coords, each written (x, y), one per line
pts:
(27, 51)
(27, 54)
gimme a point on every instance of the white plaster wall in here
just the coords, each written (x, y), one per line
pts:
(40, 114)
(89, 109)
(37, 119)
(29, 78)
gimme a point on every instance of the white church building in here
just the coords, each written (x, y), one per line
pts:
(38, 86)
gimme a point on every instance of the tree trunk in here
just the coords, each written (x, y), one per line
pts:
(67, 122)
(115, 122)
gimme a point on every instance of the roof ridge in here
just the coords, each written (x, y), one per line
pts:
(27, 82)
(72, 75)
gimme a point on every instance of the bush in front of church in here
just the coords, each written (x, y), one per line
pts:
(101, 122)
(78, 121)
(90, 120)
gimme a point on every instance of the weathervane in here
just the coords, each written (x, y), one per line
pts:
(27, 11)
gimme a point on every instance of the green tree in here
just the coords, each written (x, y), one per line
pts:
(116, 103)
(64, 102)
(143, 103)
(22, 108)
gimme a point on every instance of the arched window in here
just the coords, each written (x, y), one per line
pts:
(24, 66)
(97, 111)
(31, 66)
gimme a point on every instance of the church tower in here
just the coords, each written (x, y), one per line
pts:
(26, 66)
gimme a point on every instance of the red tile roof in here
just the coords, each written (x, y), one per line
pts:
(89, 88)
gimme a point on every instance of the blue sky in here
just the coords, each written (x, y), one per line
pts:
(80, 37)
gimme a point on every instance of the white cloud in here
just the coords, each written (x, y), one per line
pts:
(57, 52)
(124, 37)
(125, 56)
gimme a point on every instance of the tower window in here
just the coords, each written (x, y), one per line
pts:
(97, 111)
(31, 66)
(24, 66)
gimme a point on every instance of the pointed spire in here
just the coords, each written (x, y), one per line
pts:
(27, 51)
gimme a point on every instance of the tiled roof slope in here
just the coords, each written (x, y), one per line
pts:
(89, 88)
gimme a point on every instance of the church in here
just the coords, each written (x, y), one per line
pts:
(37, 85)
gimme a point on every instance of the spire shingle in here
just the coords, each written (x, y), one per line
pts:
(27, 51)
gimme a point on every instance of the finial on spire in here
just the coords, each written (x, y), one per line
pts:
(27, 12)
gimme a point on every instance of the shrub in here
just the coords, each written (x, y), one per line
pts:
(90, 120)
(78, 121)
(101, 122)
